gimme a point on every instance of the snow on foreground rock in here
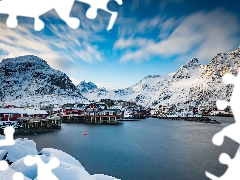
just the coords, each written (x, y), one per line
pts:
(68, 169)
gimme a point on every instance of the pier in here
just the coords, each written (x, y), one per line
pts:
(33, 125)
(91, 119)
(122, 120)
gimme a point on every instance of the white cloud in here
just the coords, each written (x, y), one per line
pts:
(201, 34)
(137, 42)
(129, 27)
(60, 51)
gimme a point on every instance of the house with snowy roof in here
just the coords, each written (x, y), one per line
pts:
(94, 108)
(12, 114)
(111, 112)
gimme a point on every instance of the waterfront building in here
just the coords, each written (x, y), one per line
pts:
(12, 114)
(94, 113)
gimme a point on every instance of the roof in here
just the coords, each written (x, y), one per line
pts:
(21, 111)
(111, 110)
(100, 106)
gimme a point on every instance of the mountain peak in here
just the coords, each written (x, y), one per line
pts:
(152, 76)
(191, 68)
(192, 63)
(31, 76)
(25, 61)
(25, 58)
(86, 86)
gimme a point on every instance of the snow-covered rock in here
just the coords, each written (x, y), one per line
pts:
(30, 79)
(20, 149)
(26, 77)
(142, 92)
(193, 83)
(69, 168)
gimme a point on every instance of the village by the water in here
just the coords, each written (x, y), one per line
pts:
(40, 118)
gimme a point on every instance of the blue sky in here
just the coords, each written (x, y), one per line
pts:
(149, 37)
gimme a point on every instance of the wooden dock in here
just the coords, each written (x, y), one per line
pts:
(89, 119)
(31, 126)
(122, 120)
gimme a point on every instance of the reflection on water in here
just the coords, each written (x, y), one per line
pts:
(150, 149)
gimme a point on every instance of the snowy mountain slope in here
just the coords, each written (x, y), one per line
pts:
(29, 77)
(177, 89)
(193, 82)
(204, 84)
(152, 90)
(141, 92)
(86, 86)
(89, 89)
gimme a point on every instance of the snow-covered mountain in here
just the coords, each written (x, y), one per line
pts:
(204, 83)
(193, 82)
(142, 92)
(29, 79)
(86, 86)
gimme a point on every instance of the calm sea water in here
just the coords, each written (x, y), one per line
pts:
(150, 149)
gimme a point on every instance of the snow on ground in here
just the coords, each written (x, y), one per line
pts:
(8, 174)
(44, 100)
(2, 153)
(69, 168)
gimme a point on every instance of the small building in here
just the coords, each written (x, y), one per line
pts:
(111, 112)
(94, 108)
(141, 114)
(12, 114)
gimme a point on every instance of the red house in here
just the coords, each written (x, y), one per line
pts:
(12, 114)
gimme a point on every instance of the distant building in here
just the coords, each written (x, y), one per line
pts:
(12, 114)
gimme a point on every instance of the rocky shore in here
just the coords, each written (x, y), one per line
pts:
(193, 119)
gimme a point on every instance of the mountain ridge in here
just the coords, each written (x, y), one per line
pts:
(193, 82)
(28, 77)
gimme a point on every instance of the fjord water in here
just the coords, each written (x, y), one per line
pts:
(150, 149)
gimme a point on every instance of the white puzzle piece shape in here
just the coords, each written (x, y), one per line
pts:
(36, 8)
(44, 170)
(4, 167)
(232, 131)
(8, 131)
(233, 172)
(101, 4)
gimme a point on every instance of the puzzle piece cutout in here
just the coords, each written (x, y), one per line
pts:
(44, 170)
(9, 131)
(8, 141)
(18, 176)
(36, 8)
(233, 172)
(101, 4)
(4, 167)
(232, 131)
